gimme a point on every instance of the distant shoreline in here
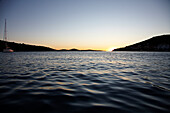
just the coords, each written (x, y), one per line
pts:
(21, 47)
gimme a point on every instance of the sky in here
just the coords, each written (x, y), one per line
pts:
(84, 24)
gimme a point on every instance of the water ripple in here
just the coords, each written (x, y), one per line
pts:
(81, 82)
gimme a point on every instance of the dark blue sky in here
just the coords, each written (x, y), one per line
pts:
(96, 24)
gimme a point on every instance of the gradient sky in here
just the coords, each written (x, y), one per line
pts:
(84, 24)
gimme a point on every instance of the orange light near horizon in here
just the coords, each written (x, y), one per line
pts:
(111, 49)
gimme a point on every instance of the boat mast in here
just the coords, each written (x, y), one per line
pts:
(5, 32)
(7, 49)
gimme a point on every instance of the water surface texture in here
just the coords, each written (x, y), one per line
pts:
(83, 82)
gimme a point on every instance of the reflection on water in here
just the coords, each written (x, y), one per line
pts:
(81, 82)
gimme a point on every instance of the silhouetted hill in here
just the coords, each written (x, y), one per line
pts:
(157, 43)
(23, 47)
(74, 49)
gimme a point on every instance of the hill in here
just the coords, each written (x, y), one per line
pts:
(23, 47)
(74, 49)
(157, 43)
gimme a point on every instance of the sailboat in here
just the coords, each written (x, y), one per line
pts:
(7, 49)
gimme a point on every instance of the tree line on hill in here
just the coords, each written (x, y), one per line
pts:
(23, 47)
(157, 43)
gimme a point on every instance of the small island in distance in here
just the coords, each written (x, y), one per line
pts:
(158, 43)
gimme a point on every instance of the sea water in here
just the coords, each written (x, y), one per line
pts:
(83, 82)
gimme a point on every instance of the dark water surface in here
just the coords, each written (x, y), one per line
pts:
(83, 82)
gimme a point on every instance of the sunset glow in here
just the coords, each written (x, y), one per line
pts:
(111, 49)
(84, 24)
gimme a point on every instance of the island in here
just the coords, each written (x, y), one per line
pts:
(74, 49)
(156, 43)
